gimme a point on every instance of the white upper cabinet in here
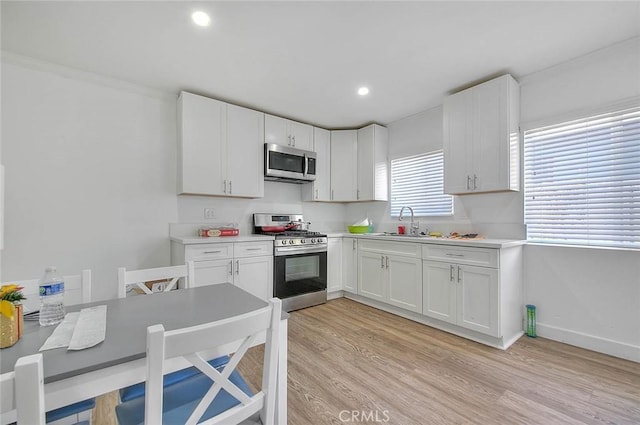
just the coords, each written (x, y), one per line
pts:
(372, 182)
(202, 166)
(282, 131)
(320, 188)
(220, 148)
(481, 138)
(245, 152)
(344, 165)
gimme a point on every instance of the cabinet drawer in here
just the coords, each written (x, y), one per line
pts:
(211, 251)
(485, 257)
(252, 249)
(407, 249)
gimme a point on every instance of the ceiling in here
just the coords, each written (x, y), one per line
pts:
(305, 60)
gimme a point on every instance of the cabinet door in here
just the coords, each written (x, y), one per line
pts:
(255, 275)
(365, 181)
(213, 272)
(202, 145)
(334, 265)
(301, 135)
(373, 179)
(439, 290)
(372, 276)
(350, 265)
(477, 307)
(458, 143)
(245, 152)
(491, 136)
(320, 188)
(344, 165)
(275, 130)
(405, 282)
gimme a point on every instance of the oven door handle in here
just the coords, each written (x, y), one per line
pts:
(288, 250)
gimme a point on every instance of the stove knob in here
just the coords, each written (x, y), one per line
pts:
(313, 241)
(291, 241)
(303, 241)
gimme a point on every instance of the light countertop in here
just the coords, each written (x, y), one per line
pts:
(192, 240)
(479, 242)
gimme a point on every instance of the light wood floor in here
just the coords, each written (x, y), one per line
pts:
(349, 363)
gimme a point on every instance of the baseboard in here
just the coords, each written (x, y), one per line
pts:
(589, 342)
(334, 295)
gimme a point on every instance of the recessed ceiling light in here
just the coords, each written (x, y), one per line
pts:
(201, 18)
(363, 91)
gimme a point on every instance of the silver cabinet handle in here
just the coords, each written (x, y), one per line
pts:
(354, 243)
(294, 140)
(332, 194)
(225, 187)
(230, 188)
(289, 140)
(237, 266)
(212, 252)
(357, 193)
(316, 193)
(387, 262)
(451, 273)
(459, 277)
(382, 261)
(454, 255)
(468, 182)
(475, 182)
(254, 249)
(231, 267)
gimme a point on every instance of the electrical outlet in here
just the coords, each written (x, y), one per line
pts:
(209, 213)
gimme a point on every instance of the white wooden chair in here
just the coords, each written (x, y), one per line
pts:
(213, 396)
(77, 290)
(171, 275)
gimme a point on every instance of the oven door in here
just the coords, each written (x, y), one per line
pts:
(298, 274)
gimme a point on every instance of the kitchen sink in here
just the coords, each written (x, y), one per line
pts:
(405, 235)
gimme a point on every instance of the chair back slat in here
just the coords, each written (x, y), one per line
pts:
(172, 274)
(236, 335)
(29, 390)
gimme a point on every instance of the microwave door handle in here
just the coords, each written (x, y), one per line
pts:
(306, 164)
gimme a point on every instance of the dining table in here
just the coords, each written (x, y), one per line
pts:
(120, 360)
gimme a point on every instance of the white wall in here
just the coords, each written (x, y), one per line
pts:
(90, 174)
(587, 297)
(278, 198)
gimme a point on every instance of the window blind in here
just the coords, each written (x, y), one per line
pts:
(418, 182)
(582, 181)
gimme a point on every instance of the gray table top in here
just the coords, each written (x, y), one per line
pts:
(127, 322)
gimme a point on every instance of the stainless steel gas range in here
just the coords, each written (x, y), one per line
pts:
(300, 259)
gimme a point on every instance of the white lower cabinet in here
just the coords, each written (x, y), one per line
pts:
(350, 265)
(391, 273)
(251, 274)
(479, 289)
(334, 265)
(248, 265)
(464, 295)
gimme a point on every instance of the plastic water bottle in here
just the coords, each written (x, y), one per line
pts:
(51, 298)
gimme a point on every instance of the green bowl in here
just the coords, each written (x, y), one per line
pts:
(360, 229)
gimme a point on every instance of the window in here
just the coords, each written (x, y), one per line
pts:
(418, 182)
(582, 181)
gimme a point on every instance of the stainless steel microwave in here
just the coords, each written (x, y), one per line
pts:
(292, 165)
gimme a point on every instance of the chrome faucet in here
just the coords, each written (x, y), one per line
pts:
(413, 230)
